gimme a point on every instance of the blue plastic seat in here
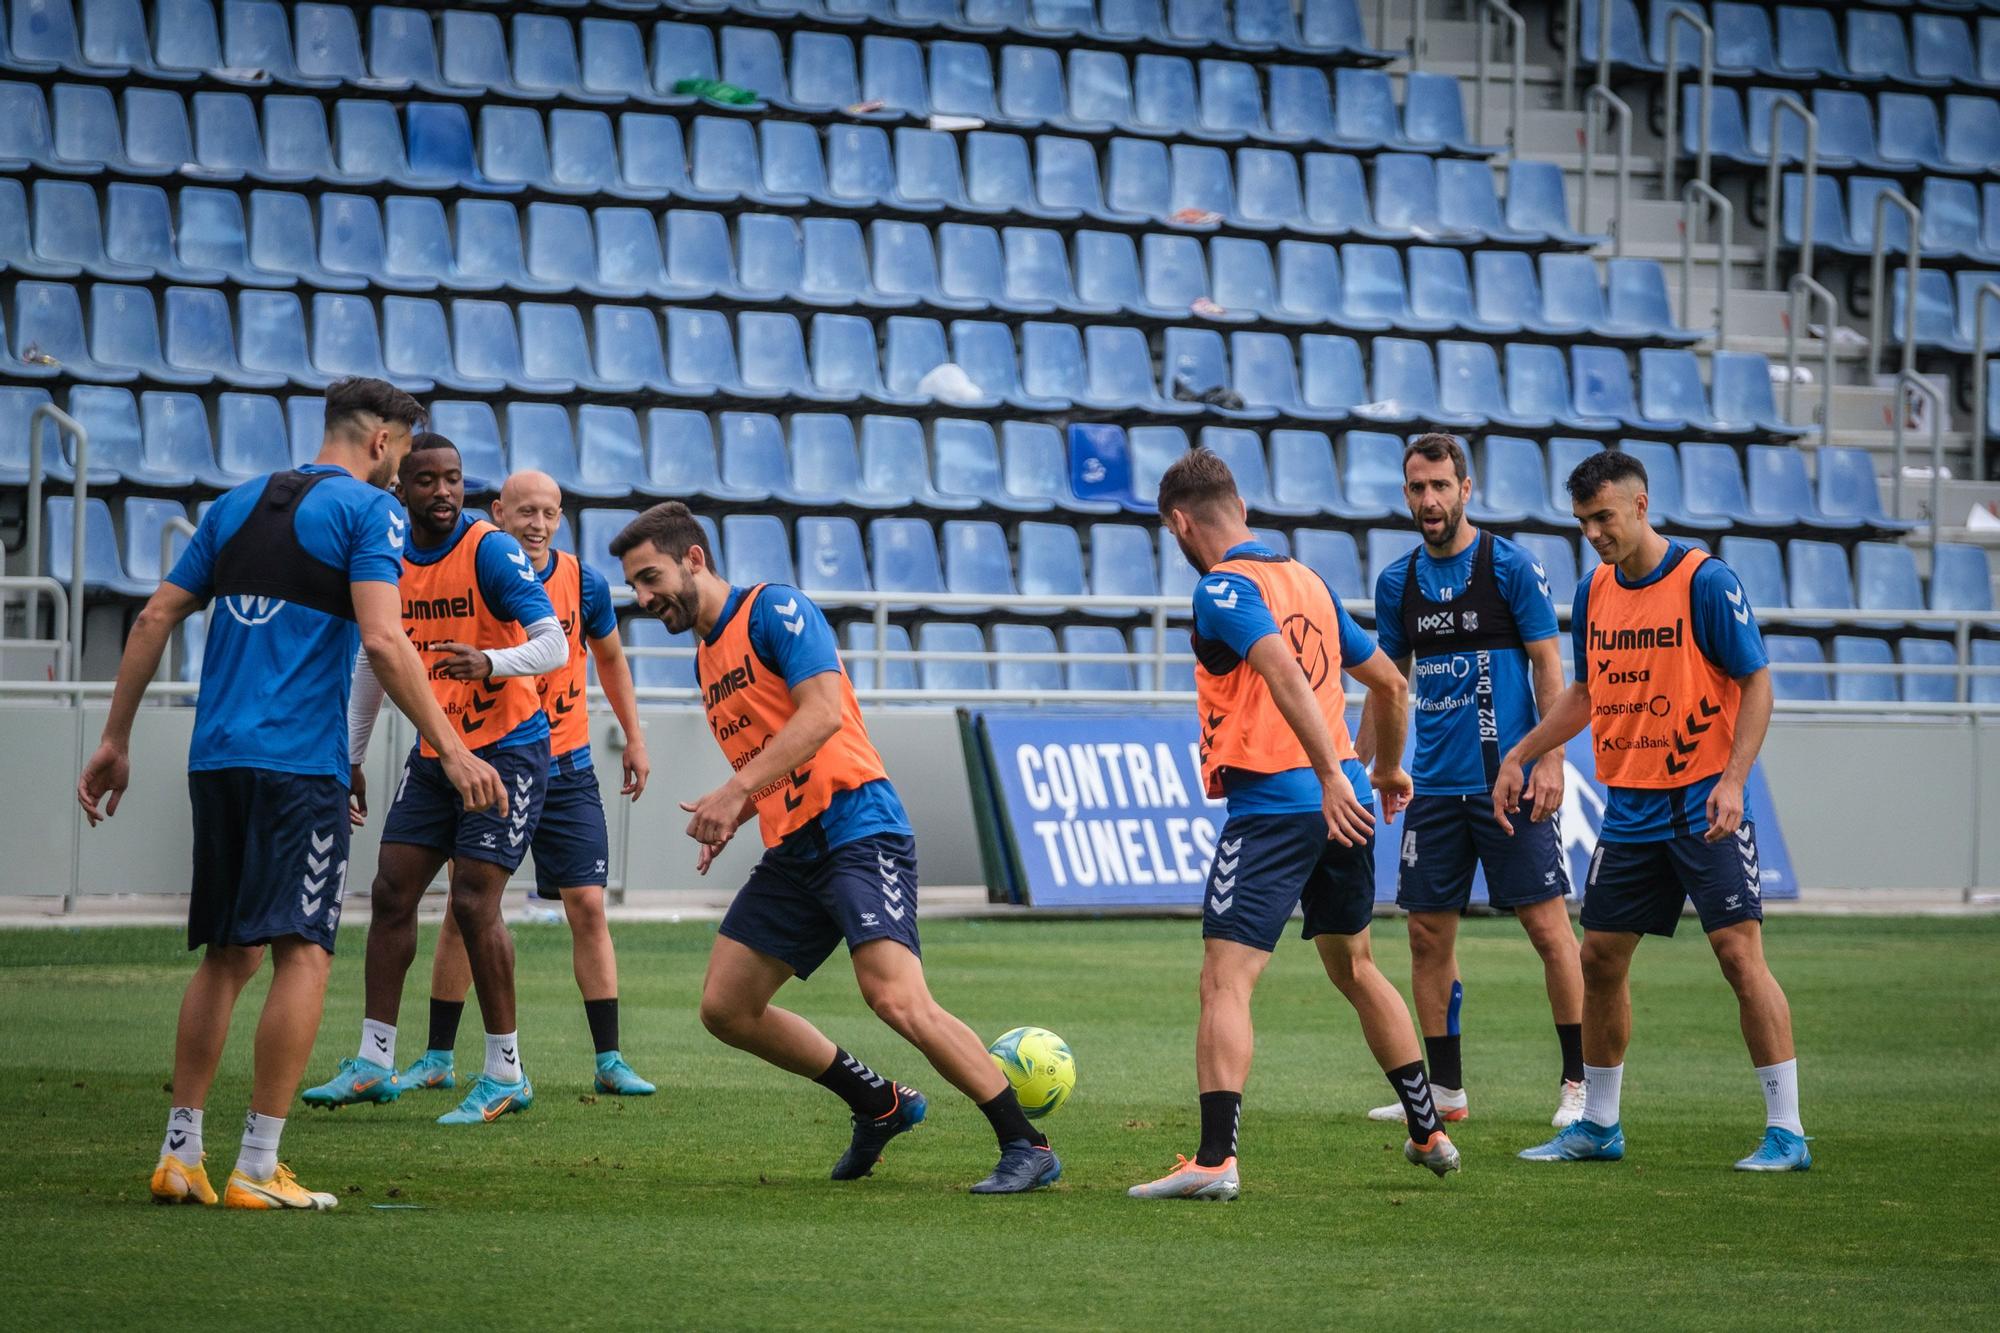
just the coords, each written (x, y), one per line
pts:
(1808, 46)
(201, 339)
(145, 524)
(1243, 451)
(1637, 304)
(1037, 273)
(346, 341)
(1096, 676)
(1941, 47)
(1303, 475)
(1603, 381)
(250, 438)
(473, 427)
(658, 673)
(1961, 578)
(830, 556)
(17, 240)
(1404, 385)
(110, 416)
(610, 456)
(860, 662)
(772, 354)
(1121, 565)
(1387, 546)
(1796, 651)
(48, 318)
(487, 347)
(1972, 134)
(1441, 293)
(1335, 558)
(541, 436)
(1908, 133)
(1760, 568)
(125, 333)
(1374, 475)
(1877, 47)
(1026, 643)
(1331, 384)
(1555, 561)
(1468, 205)
(1034, 469)
(1120, 373)
(1512, 485)
(283, 241)
(1863, 687)
(1626, 40)
(1364, 110)
(760, 550)
(1665, 488)
(1374, 292)
(1049, 560)
(824, 469)
(1152, 449)
(103, 571)
(255, 36)
(1847, 489)
(1742, 394)
(1921, 687)
(1538, 203)
(935, 637)
(976, 561)
(1538, 388)
(1672, 399)
(68, 234)
(1406, 197)
(77, 132)
(1434, 114)
(904, 557)
(1818, 578)
(1986, 656)
(1713, 478)
(754, 460)
(1885, 579)
(702, 357)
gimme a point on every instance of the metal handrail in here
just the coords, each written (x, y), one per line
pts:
(1672, 77)
(1878, 298)
(1418, 39)
(1803, 284)
(1518, 26)
(79, 527)
(173, 527)
(1980, 357)
(1775, 203)
(36, 586)
(1618, 107)
(1910, 380)
(1691, 214)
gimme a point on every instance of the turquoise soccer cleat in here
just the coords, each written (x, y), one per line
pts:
(434, 1070)
(617, 1078)
(358, 1081)
(489, 1100)
(1581, 1142)
(1781, 1150)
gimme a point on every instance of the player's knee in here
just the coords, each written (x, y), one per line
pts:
(1602, 965)
(585, 910)
(723, 1016)
(1742, 965)
(389, 904)
(473, 911)
(238, 962)
(901, 1007)
(1428, 944)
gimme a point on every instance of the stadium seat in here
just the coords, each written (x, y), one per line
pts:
(1760, 568)
(1335, 558)
(1885, 578)
(145, 523)
(976, 562)
(110, 416)
(858, 656)
(1779, 489)
(1847, 489)
(904, 556)
(658, 673)
(103, 570)
(1713, 483)
(1035, 468)
(471, 426)
(250, 437)
(69, 235)
(936, 637)
(610, 455)
(1386, 546)
(1819, 579)
(1374, 473)
(1511, 486)
(1919, 686)
(1049, 562)
(1303, 474)
(1664, 486)
(844, 360)
(1537, 203)
(1986, 657)
(541, 436)
(760, 550)
(1555, 560)
(830, 556)
(1796, 686)
(1098, 676)
(1961, 578)
(177, 441)
(1025, 675)
(1863, 687)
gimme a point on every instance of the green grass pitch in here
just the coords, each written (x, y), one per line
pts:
(708, 1206)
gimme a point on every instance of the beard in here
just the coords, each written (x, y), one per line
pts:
(1448, 530)
(677, 610)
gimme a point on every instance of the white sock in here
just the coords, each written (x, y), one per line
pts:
(259, 1158)
(183, 1135)
(1601, 1085)
(378, 1043)
(1781, 1095)
(503, 1056)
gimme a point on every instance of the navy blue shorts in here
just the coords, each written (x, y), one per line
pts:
(1265, 865)
(270, 856)
(1641, 886)
(428, 813)
(1445, 837)
(572, 849)
(802, 900)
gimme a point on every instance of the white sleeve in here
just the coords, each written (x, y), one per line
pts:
(546, 649)
(364, 705)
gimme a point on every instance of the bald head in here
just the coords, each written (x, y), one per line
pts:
(530, 511)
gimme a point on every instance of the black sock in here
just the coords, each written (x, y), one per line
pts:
(602, 1015)
(1219, 1114)
(1414, 1091)
(1441, 1054)
(444, 1023)
(1009, 1121)
(865, 1091)
(1571, 1037)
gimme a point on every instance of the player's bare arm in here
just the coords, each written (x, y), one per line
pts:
(1545, 784)
(394, 660)
(1385, 719)
(1753, 718)
(1364, 733)
(109, 770)
(616, 677)
(1347, 820)
(1569, 714)
(717, 816)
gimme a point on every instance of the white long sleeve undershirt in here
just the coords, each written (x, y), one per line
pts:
(546, 649)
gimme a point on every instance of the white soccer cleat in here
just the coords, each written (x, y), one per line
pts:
(1437, 1152)
(1569, 1109)
(1451, 1105)
(1190, 1181)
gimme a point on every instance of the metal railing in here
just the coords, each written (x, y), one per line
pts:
(1774, 201)
(1414, 47)
(1910, 381)
(1616, 105)
(1980, 357)
(1804, 285)
(1719, 207)
(1879, 303)
(1517, 99)
(79, 524)
(1671, 77)
(57, 645)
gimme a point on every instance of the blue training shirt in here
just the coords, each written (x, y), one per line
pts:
(1449, 758)
(498, 567)
(861, 812)
(1730, 640)
(600, 619)
(275, 677)
(1228, 607)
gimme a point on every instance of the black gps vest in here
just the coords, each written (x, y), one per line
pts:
(1478, 621)
(264, 558)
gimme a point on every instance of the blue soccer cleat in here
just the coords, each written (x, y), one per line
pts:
(1581, 1142)
(872, 1133)
(489, 1100)
(358, 1081)
(617, 1078)
(1781, 1150)
(1023, 1166)
(434, 1070)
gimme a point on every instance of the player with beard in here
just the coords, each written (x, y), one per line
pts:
(483, 624)
(1469, 619)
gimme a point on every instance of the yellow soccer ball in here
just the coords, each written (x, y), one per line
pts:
(1038, 1063)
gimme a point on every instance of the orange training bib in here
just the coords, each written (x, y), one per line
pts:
(442, 604)
(561, 690)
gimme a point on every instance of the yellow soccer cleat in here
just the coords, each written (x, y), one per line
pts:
(175, 1181)
(282, 1190)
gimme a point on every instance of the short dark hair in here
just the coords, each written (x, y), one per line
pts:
(671, 527)
(1437, 447)
(1600, 469)
(350, 399)
(1195, 481)
(423, 442)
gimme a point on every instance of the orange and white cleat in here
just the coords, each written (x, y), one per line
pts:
(175, 1181)
(1190, 1180)
(1452, 1106)
(1437, 1152)
(282, 1190)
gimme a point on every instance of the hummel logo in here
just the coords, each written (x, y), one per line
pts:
(514, 839)
(320, 844)
(518, 556)
(177, 1140)
(1229, 848)
(788, 611)
(489, 840)
(185, 1116)
(1227, 867)
(1216, 590)
(894, 911)
(868, 918)
(1223, 884)
(1737, 608)
(506, 1052)
(318, 864)
(1221, 904)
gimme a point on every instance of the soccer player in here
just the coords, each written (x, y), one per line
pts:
(481, 621)
(1672, 680)
(1468, 617)
(570, 845)
(302, 566)
(839, 860)
(1270, 642)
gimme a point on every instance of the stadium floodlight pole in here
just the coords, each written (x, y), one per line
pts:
(1518, 42)
(1779, 106)
(1802, 285)
(1692, 213)
(1981, 388)
(1908, 381)
(1618, 108)
(79, 526)
(1672, 76)
(172, 528)
(1912, 269)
